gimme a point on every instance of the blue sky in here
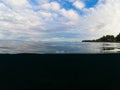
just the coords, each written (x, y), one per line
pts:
(69, 5)
(50, 20)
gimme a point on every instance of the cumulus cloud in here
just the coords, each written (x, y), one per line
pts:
(15, 4)
(17, 23)
(103, 19)
(48, 20)
(51, 6)
(79, 4)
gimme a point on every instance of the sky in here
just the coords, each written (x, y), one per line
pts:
(58, 20)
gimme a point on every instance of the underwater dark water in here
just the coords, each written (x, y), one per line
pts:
(60, 72)
(40, 47)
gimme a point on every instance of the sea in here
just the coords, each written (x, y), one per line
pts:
(84, 69)
(58, 47)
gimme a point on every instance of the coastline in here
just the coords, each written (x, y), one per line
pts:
(107, 38)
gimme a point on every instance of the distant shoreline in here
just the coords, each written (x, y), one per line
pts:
(98, 41)
(107, 38)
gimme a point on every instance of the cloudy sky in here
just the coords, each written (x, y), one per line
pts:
(58, 19)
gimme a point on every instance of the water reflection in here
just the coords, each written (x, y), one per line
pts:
(14, 47)
(110, 48)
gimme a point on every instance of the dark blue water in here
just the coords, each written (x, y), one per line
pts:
(40, 47)
(60, 72)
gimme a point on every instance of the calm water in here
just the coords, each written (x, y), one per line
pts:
(14, 47)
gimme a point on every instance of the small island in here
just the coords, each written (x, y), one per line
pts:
(107, 38)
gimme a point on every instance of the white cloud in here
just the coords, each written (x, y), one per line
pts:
(104, 19)
(3, 7)
(18, 23)
(14, 3)
(70, 14)
(79, 4)
(51, 20)
(51, 6)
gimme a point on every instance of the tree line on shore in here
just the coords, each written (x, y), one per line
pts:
(107, 38)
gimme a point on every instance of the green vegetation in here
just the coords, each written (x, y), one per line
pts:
(117, 38)
(107, 38)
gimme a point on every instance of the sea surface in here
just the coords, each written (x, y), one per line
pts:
(40, 47)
